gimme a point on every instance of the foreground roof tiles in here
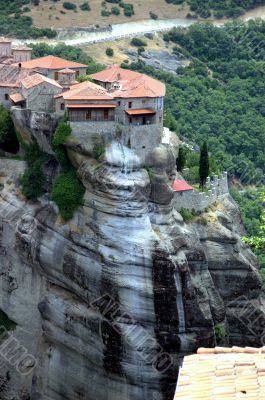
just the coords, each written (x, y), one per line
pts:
(50, 62)
(86, 91)
(223, 374)
(17, 98)
(131, 84)
(37, 79)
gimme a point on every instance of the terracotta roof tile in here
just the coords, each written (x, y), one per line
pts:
(50, 62)
(132, 84)
(182, 186)
(17, 97)
(223, 374)
(86, 91)
(38, 79)
(140, 111)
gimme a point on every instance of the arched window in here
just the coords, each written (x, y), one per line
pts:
(62, 106)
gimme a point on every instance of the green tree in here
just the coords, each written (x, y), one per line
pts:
(204, 168)
(181, 160)
(258, 242)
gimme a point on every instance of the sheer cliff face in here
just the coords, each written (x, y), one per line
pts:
(108, 303)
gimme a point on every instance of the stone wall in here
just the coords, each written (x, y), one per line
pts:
(199, 201)
(142, 139)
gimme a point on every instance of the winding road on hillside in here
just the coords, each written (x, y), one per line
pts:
(76, 37)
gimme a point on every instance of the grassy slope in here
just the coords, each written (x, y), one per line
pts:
(48, 12)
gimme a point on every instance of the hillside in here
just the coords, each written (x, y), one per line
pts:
(54, 15)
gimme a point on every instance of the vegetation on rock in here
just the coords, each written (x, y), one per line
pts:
(67, 190)
(33, 180)
(8, 138)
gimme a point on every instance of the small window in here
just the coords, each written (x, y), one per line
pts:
(88, 114)
(119, 103)
(130, 104)
(62, 106)
(6, 96)
(130, 120)
(77, 73)
(56, 76)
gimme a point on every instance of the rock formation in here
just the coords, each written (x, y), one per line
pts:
(107, 304)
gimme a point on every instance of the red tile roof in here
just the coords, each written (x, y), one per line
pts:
(114, 73)
(132, 84)
(181, 186)
(223, 374)
(140, 111)
(50, 62)
(17, 98)
(38, 79)
(91, 105)
(86, 91)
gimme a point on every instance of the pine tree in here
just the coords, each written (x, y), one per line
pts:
(204, 165)
(181, 160)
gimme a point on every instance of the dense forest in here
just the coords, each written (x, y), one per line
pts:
(219, 8)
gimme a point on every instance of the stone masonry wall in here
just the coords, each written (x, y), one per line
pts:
(199, 201)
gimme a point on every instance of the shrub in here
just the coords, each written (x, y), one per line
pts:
(138, 42)
(67, 190)
(140, 50)
(8, 138)
(186, 214)
(85, 7)
(153, 15)
(68, 193)
(115, 11)
(109, 52)
(33, 180)
(105, 13)
(69, 6)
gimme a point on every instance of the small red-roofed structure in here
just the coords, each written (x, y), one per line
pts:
(181, 186)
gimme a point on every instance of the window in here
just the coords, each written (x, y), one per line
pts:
(77, 74)
(106, 115)
(56, 76)
(88, 114)
(62, 106)
(130, 104)
(119, 103)
(6, 96)
(130, 120)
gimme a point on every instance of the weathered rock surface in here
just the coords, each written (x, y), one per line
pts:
(109, 302)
